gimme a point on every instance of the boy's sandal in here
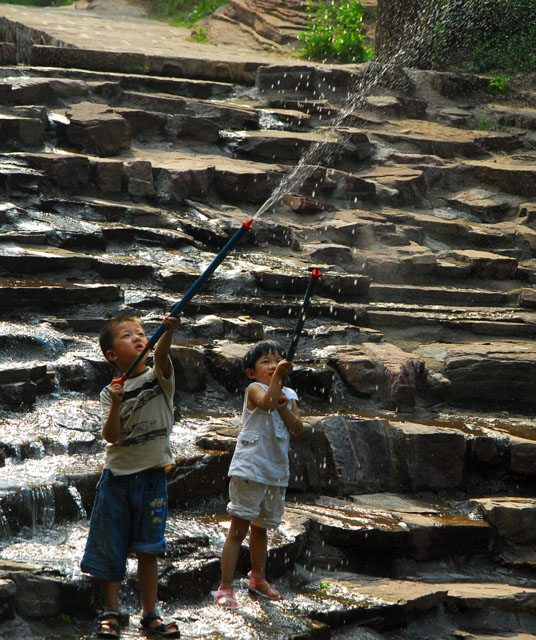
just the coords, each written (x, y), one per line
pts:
(225, 598)
(262, 588)
(163, 630)
(108, 625)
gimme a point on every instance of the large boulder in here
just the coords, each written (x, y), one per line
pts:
(480, 373)
(340, 455)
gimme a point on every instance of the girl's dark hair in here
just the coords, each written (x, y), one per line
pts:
(106, 334)
(259, 349)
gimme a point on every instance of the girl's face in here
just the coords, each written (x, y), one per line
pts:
(265, 367)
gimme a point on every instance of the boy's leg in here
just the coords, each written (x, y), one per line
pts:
(231, 549)
(258, 545)
(111, 595)
(110, 620)
(148, 581)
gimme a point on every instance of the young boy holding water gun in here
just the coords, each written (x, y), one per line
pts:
(130, 509)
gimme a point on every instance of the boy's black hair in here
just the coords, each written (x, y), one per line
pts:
(106, 334)
(259, 349)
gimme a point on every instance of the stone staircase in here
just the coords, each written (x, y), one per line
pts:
(122, 173)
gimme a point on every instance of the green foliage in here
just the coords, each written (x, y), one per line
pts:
(335, 32)
(185, 13)
(142, 69)
(199, 35)
(499, 86)
(491, 34)
(484, 125)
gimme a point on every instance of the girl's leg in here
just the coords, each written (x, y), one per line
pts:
(258, 542)
(231, 549)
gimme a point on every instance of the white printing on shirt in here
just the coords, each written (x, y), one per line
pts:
(146, 423)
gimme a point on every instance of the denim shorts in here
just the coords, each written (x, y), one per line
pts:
(261, 504)
(129, 515)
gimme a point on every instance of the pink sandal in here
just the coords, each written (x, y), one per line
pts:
(225, 598)
(262, 588)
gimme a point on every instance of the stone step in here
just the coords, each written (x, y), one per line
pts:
(282, 146)
(20, 132)
(512, 517)
(511, 174)
(225, 114)
(470, 367)
(30, 293)
(109, 211)
(218, 67)
(486, 322)
(437, 295)
(443, 141)
(17, 177)
(20, 385)
(187, 87)
(324, 147)
(382, 536)
(68, 491)
(331, 284)
(41, 259)
(481, 229)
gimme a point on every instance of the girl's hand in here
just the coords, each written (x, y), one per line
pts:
(284, 368)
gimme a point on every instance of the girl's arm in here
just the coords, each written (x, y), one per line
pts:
(269, 399)
(291, 417)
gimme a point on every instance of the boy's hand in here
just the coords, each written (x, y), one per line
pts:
(282, 400)
(171, 322)
(116, 391)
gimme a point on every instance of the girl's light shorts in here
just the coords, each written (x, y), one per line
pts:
(260, 504)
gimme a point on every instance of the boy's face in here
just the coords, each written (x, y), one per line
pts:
(265, 367)
(129, 342)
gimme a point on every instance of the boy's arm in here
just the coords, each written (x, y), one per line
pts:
(161, 351)
(269, 399)
(291, 417)
(111, 429)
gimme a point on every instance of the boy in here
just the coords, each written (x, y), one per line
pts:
(259, 469)
(130, 507)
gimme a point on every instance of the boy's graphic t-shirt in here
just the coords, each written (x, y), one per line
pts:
(146, 423)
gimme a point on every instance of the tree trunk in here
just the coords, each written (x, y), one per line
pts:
(404, 33)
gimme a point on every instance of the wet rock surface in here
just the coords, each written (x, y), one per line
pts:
(125, 165)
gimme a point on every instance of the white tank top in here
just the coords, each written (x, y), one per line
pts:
(261, 452)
